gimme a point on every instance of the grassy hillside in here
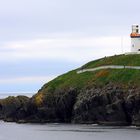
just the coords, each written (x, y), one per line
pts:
(100, 77)
(129, 60)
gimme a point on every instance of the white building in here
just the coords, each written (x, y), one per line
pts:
(135, 39)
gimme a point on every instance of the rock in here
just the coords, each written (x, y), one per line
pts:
(108, 105)
(13, 108)
(55, 107)
(103, 106)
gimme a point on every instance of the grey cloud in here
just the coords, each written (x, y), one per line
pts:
(30, 19)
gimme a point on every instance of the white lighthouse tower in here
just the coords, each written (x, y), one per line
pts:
(135, 39)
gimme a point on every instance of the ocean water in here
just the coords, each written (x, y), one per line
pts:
(13, 131)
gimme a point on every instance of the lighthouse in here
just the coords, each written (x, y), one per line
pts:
(135, 39)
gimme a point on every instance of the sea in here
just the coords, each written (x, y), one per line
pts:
(14, 131)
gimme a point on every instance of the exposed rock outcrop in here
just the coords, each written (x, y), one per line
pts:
(13, 108)
(109, 105)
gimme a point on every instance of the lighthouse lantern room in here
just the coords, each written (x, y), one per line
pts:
(135, 39)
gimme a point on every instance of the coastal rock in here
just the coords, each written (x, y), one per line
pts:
(13, 108)
(103, 106)
(133, 107)
(109, 105)
(54, 107)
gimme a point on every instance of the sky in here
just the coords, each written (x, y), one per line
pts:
(41, 39)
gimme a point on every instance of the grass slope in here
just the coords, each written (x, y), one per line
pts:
(129, 60)
(100, 77)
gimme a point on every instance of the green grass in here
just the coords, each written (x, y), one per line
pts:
(100, 77)
(70, 79)
(124, 77)
(129, 60)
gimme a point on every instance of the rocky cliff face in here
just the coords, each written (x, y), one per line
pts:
(108, 105)
(13, 108)
(103, 106)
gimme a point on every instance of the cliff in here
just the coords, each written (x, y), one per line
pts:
(107, 96)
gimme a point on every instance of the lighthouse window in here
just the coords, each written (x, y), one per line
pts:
(137, 30)
(133, 45)
(138, 49)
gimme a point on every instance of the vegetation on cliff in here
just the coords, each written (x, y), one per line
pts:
(100, 77)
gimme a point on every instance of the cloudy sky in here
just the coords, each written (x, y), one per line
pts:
(40, 39)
